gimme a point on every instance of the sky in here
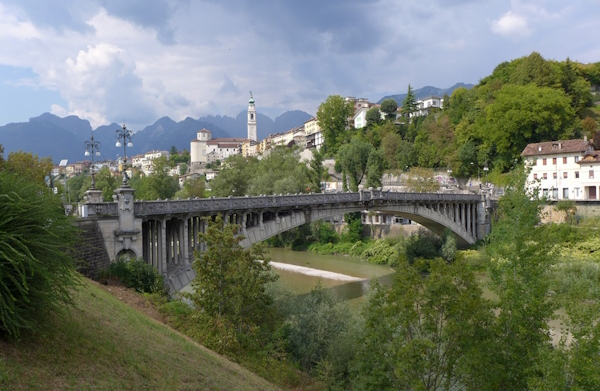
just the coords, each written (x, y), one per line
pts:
(135, 61)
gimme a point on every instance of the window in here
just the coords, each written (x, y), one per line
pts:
(534, 176)
(576, 159)
(576, 174)
(544, 161)
(591, 174)
(576, 192)
(565, 193)
(554, 175)
(555, 194)
(545, 192)
(565, 174)
(564, 160)
(554, 160)
(545, 175)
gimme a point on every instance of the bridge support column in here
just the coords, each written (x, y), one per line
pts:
(483, 215)
(185, 245)
(162, 246)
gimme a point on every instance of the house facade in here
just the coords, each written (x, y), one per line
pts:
(567, 169)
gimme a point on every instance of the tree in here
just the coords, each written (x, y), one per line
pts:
(389, 146)
(230, 280)
(373, 117)
(520, 115)
(280, 172)
(192, 188)
(234, 177)
(376, 164)
(409, 105)
(106, 182)
(424, 332)
(589, 126)
(159, 184)
(519, 257)
(316, 171)
(421, 180)
(37, 269)
(28, 165)
(354, 158)
(390, 107)
(333, 115)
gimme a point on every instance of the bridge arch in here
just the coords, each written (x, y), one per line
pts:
(166, 232)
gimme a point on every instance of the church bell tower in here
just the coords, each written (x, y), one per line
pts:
(251, 119)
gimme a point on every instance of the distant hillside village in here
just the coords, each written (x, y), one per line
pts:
(206, 153)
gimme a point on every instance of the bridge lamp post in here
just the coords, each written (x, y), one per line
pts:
(92, 148)
(125, 135)
(485, 168)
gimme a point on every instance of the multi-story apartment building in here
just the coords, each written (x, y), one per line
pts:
(564, 169)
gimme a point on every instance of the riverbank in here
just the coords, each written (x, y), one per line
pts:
(105, 343)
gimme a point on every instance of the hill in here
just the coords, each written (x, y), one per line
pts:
(63, 138)
(427, 91)
(105, 344)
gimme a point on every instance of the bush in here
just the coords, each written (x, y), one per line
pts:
(37, 270)
(134, 274)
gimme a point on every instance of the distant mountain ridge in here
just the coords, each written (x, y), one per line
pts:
(427, 91)
(63, 138)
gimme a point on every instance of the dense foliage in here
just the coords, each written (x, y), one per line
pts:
(37, 270)
(135, 274)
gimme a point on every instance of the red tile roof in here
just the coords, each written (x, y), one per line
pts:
(554, 147)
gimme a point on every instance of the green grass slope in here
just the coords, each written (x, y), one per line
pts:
(103, 344)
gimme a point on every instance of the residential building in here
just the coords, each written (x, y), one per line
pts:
(564, 169)
(425, 106)
(205, 149)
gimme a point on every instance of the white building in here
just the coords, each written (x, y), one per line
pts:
(205, 149)
(252, 135)
(564, 169)
(424, 106)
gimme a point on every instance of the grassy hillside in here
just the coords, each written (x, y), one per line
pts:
(105, 344)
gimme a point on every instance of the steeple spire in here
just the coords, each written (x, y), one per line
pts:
(252, 119)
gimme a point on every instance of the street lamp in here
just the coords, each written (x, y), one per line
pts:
(125, 135)
(92, 148)
(485, 168)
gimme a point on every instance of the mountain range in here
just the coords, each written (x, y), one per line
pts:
(63, 138)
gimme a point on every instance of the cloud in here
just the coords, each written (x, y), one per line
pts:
(101, 79)
(511, 25)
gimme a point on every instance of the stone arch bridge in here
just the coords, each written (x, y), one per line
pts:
(165, 233)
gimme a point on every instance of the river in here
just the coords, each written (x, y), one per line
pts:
(347, 276)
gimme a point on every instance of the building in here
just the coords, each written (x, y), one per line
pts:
(425, 106)
(564, 169)
(205, 149)
(252, 135)
(313, 134)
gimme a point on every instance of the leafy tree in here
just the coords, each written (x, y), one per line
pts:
(1, 156)
(424, 332)
(317, 321)
(520, 115)
(390, 107)
(234, 178)
(106, 182)
(535, 69)
(389, 147)
(409, 105)
(354, 158)
(589, 126)
(316, 171)
(373, 117)
(159, 184)
(28, 165)
(230, 280)
(76, 184)
(333, 117)
(376, 164)
(518, 260)
(421, 180)
(406, 156)
(192, 188)
(183, 169)
(280, 172)
(37, 269)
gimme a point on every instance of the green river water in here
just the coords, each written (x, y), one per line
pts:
(349, 277)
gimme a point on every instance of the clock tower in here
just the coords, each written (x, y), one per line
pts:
(252, 119)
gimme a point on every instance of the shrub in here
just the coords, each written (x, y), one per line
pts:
(37, 270)
(134, 274)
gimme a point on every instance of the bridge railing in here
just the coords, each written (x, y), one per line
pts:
(216, 204)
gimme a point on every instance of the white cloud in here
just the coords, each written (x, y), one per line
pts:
(511, 25)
